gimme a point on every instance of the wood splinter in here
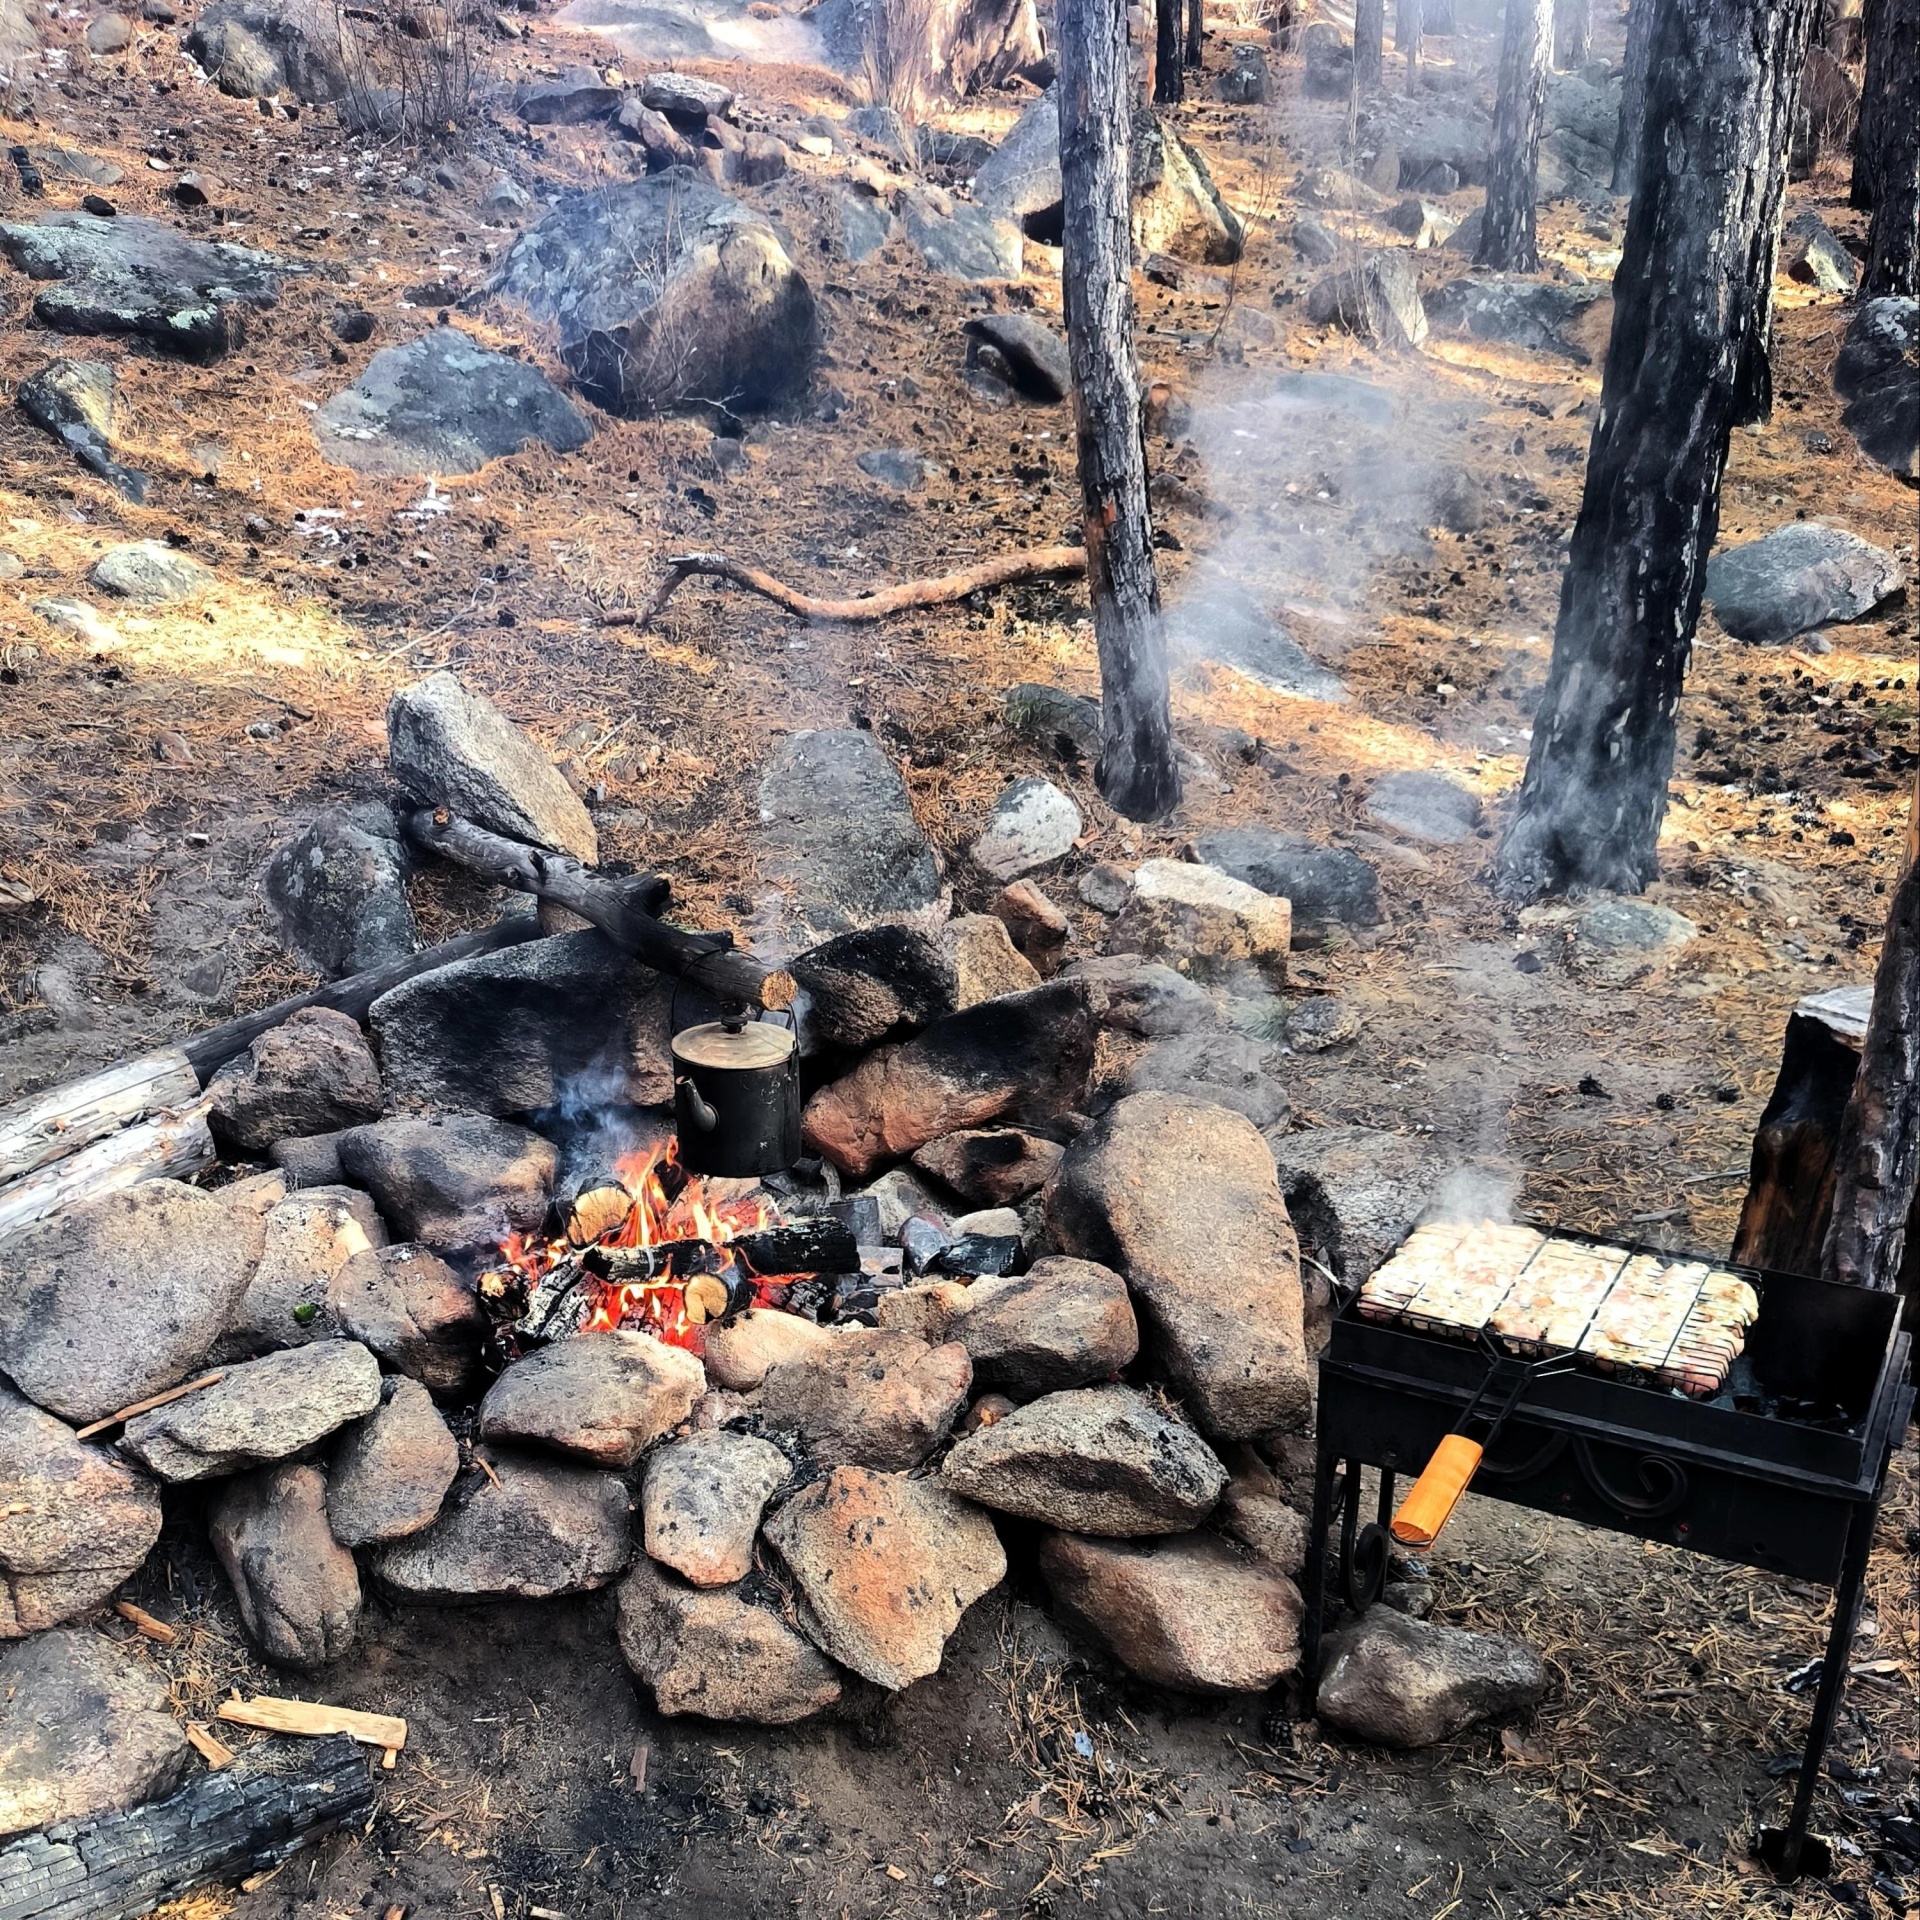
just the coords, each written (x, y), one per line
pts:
(384, 1730)
(144, 1623)
(147, 1405)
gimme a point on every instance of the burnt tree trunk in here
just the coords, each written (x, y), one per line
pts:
(1633, 95)
(1136, 773)
(1369, 34)
(1169, 76)
(1691, 305)
(1893, 84)
(1878, 1161)
(1196, 32)
(1407, 33)
(1438, 16)
(1573, 34)
(1507, 240)
(1873, 100)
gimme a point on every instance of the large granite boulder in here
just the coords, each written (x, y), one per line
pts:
(1400, 1682)
(134, 275)
(1797, 578)
(1539, 315)
(664, 292)
(84, 1728)
(74, 1520)
(444, 404)
(603, 1397)
(839, 838)
(119, 1297)
(448, 746)
(1377, 299)
(1062, 1323)
(529, 1027)
(1177, 209)
(297, 1587)
(719, 1654)
(338, 894)
(1104, 1460)
(1182, 1199)
(1357, 1192)
(1185, 1612)
(886, 1566)
(255, 49)
(308, 1238)
(530, 1527)
(314, 1073)
(458, 1181)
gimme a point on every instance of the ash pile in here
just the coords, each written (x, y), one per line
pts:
(468, 1295)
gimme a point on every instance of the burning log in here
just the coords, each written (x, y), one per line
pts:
(817, 1245)
(218, 1827)
(708, 960)
(599, 1208)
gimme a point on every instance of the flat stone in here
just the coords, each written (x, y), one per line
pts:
(260, 1411)
(1424, 806)
(1201, 920)
(75, 1520)
(1026, 1056)
(740, 1350)
(1796, 579)
(531, 1026)
(1144, 997)
(1227, 1069)
(1216, 619)
(1376, 300)
(573, 99)
(961, 241)
(1063, 1323)
(309, 1238)
(868, 1398)
(1035, 353)
(1326, 886)
(1033, 824)
(533, 1527)
(702, 1500)
(603, 1397)
(85, 1729)
(1154, 1190)
(718, 1654)
(1314, 241)
(338, 895)
(297, 1587)
(1102, 1460)
(135, 275)
(1617, 927)
(1105, 887)
(1538, 316)
(151, 571)
(458, 1181)
(448, 746)
(161, 1257)
(987, 965)
(1185, 1612)
(862, 224)
(886, 1566)
(1400, 1682)
(897, 467)
(994, 1166)
(391, 1471)
(664, 291)
(839, 836)
(687, 94)
(314, 1073)
(416, 1313)
(444, 404)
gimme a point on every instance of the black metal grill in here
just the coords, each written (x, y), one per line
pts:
(1784, 1472)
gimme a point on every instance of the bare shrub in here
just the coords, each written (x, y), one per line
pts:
(411, 66)
(898, 65)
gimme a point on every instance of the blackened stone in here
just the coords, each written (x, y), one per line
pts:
(73, 401)
(1536, 314)
(1217, 619)
(960, 240)
(297, 1587)
(1424, 806)
(338, 894)
(1228, 1069)
(574, 99)
(1036, 354)
(897, 467)
(1328, 886)
(1379, 300)
(1066, 723)
(459, 1181)
(1878, 375)
(257, 48)
(878, 983)
(1797, 578)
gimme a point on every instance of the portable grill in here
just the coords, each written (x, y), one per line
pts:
(1783, 1470)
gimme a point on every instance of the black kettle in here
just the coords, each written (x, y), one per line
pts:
(736, 1097)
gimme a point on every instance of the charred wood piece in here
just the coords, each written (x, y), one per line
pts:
(816, 1245)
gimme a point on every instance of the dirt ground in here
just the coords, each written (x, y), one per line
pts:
(141, 789)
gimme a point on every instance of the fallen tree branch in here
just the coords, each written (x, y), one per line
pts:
(1035, 563)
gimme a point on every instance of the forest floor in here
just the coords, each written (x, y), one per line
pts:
(142, 789)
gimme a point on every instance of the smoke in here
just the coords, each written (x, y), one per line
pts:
(594, 1123)
(1476, 1193)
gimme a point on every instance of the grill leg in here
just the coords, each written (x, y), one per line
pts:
(1386, 1496)
(1833, 1676)
(1316, 1570)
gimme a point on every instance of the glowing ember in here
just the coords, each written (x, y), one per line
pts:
(664, 1207)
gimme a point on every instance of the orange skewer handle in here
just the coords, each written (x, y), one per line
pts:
(1432, 1498)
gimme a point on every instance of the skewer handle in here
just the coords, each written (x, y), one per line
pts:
(1432, 1498)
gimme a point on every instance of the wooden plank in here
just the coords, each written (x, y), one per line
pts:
(169, 1148)
(314, 1717)
(61, 1120)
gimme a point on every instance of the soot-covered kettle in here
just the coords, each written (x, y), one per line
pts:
(736, 1097)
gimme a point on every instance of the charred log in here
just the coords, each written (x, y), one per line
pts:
(707, 960)
(1508, 240)
(1692, 300)
(1893, 85)
(816, 1245)
(1137, 774)
(220, 1827)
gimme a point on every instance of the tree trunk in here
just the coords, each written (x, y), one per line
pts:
(1196, 32)
(1438, 16)
(1633, 95)
(1874, 97)
(1407, 30)
(1369, 31)
(1878, 1163)
(1169, 77)
(1136, 773)
(1573, 34)
(1507, 240)
(1691, 301)
(1893, 83)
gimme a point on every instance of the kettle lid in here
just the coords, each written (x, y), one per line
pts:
(758, 1044)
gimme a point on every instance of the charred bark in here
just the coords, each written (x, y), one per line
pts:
(1573, 34)
(1691, 306)
(1438, 16)
(1873, 98)
(1893, 86)
(1408, 26)
(1196, 32)
(1136, 774)
(1508, 242)
(1169, 75)
(1878, 1163)
(1369, 34)
(1633, 95)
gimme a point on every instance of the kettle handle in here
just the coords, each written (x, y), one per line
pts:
(704, 1117)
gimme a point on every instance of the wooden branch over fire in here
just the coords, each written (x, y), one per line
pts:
(1035, 563)
(708, 960)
